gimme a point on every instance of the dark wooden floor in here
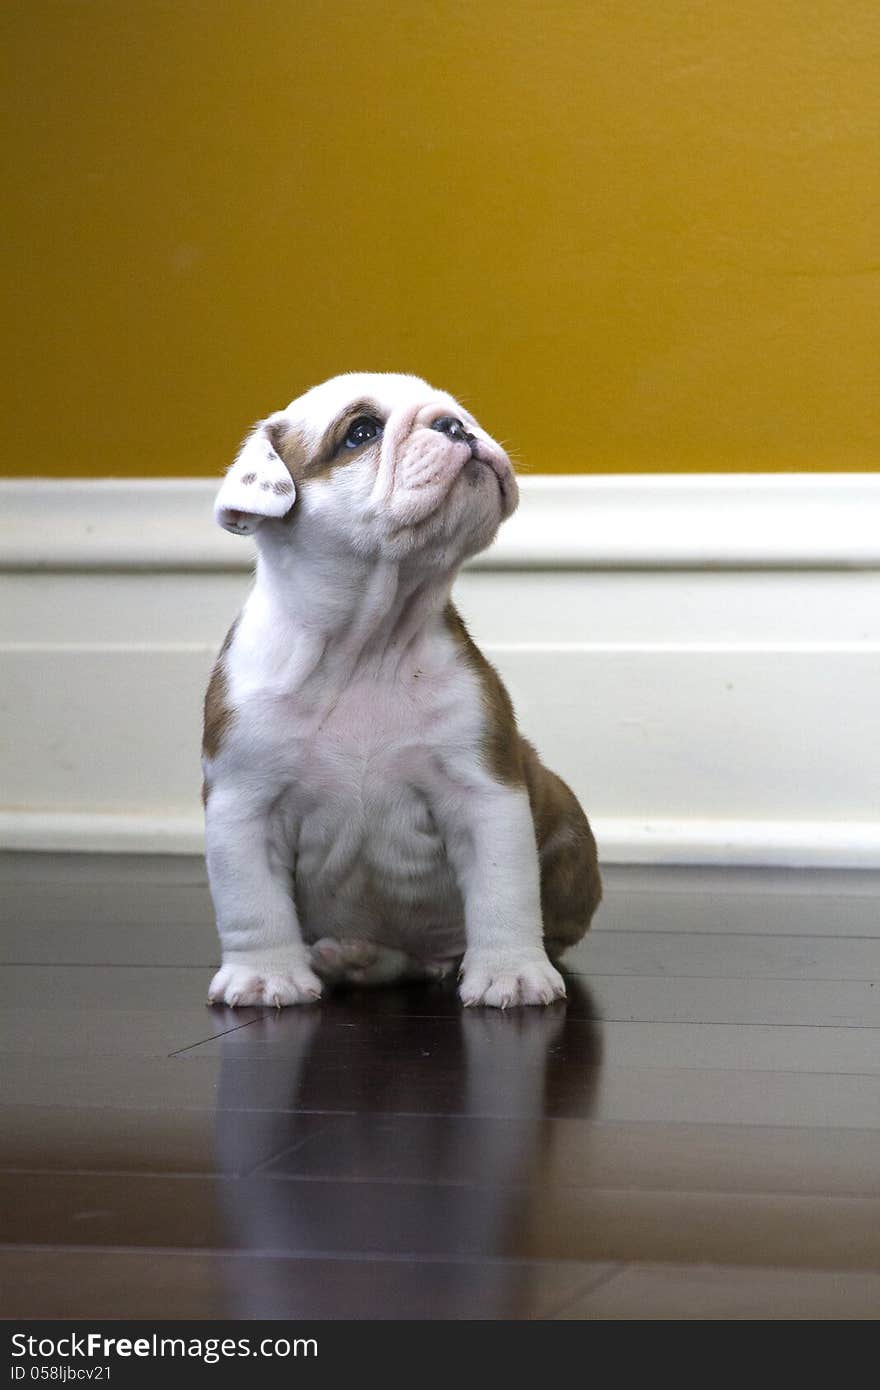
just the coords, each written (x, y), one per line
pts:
(695, 1135)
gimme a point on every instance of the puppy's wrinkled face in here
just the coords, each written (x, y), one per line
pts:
(381, 463)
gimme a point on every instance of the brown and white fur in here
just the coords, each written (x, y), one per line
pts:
(372, 812)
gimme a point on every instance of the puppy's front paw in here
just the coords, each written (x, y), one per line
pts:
(502, 979)
(276, 978)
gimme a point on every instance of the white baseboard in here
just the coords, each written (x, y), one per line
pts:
(763, 520)
(699, 657)
(787, 844)
(790, 844)
(94, 832)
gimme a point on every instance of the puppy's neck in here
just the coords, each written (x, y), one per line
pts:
(348, 613)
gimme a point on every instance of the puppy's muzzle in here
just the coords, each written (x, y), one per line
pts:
(453, 429)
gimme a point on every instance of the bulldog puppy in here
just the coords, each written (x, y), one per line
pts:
(372, 811)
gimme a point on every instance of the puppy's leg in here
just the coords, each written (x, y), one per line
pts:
(491, 843)
(571, 885)
(264, 958)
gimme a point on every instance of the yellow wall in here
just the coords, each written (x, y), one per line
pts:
(634, 235)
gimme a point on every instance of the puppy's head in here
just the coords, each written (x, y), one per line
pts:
(380, 464)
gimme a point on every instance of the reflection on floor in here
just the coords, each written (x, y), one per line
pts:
(695, 1134)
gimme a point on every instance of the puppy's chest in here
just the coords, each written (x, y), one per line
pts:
(369, 736)
(357, 808)
(375, 747)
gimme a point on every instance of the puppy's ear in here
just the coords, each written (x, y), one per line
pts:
(258, 484)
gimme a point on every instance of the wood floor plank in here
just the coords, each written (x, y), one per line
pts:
(62, 1138)
(695, 1133)
(678, 999)
(698, 1292)
(527, 1150)
(40, 870)
(718, 1046)
(63, 1032)
(612, 998)
(665, 1095)
(156, 910)
(479, 1222)
(110, 987)
(713, 899)
(84, 940)
(576, 1153)
(72, 1284)
(717, 955)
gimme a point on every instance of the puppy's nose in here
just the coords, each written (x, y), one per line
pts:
(452, 428)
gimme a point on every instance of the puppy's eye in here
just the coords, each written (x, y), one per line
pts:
(361, 431)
